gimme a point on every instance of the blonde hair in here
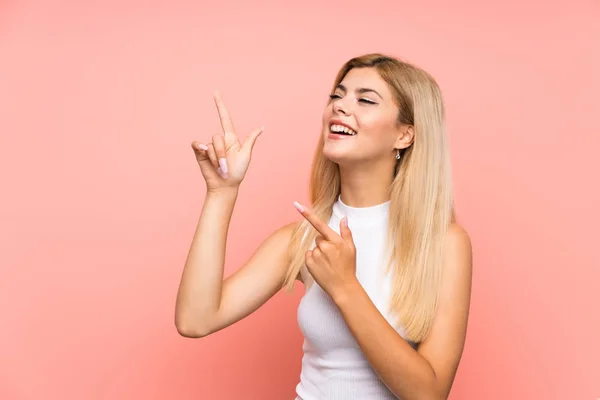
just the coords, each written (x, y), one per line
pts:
(421, 203)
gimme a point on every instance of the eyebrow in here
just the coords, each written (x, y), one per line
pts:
(359, 90)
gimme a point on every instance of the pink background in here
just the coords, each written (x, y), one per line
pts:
(101, 193)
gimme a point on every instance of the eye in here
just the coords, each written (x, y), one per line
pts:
(335, 96)
(367, 101)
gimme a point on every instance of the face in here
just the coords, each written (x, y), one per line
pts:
(360, 120)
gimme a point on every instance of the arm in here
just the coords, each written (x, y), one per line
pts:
(205, 302)
(429, 372)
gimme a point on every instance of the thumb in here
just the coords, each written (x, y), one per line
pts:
(251, 139)
(345, 231)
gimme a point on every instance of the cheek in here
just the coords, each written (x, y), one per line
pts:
(327, 114)
(377, 128)
(375, 131)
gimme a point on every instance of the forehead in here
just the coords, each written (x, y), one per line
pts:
(365, 78)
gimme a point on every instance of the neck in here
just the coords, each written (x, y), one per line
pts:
(365, 185)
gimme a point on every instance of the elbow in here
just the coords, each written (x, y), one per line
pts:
(189, 329)
(191, 332)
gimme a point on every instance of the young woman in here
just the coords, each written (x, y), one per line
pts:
(387, 269)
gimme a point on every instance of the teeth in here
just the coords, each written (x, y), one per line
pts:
(340, 128)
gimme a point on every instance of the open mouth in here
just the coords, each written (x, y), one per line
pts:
(341, 130)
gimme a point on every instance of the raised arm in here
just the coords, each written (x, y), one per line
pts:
(205, 302)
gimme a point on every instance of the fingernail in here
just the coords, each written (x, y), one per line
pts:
(221, 174)
(345, 220)
(202, 146)
(298, 206)
(223, 164)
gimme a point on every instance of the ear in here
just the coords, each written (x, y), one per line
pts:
(405, 137)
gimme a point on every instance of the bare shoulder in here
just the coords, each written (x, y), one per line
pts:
(457, 235)
(457, 246)
(286, 232)
(282, 236)
(457, 262)
(280, 240)
(288, 229)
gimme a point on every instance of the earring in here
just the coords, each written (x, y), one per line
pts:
(397, 154)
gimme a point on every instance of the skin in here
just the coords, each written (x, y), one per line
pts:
(366, 160)
(207, 303)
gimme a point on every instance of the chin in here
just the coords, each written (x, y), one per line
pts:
(340, 151)
(335, 155)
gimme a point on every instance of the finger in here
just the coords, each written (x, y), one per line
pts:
(319, 240)
(345, 231)
(319, 225)
(200, 150)
(199, 146)
(219, 145)
(317, 254)
(224, 117)
(309, 259)
(322, 245)
(212, 155)
(250, 140)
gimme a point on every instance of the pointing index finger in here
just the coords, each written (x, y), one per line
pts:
(224, 117)
(319, 225)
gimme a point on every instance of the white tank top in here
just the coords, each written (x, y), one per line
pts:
(333, 365)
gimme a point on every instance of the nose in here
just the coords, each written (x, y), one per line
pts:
(339, 107)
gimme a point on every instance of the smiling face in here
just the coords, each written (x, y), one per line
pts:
(360, 122)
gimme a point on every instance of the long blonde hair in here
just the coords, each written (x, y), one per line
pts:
(421, 203)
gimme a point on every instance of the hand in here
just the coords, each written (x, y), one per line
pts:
(224, 162)
(332, 262)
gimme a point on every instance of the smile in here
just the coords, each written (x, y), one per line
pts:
(341, 130)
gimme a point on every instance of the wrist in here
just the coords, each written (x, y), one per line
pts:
(227, 191)
(346, 292)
